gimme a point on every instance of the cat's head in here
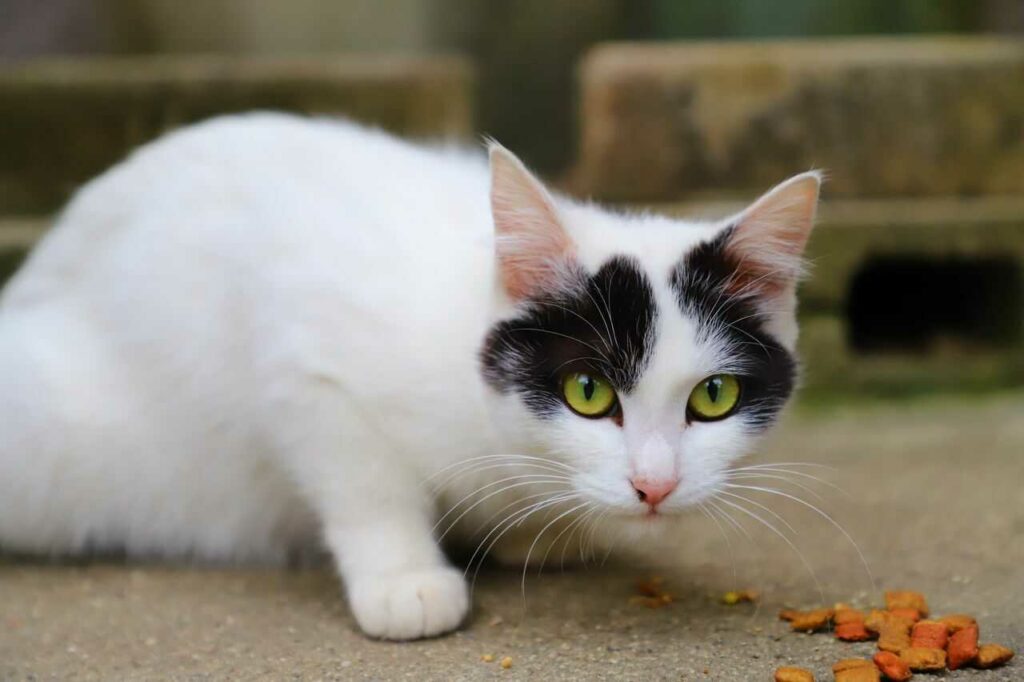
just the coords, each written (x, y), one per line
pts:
(646, 354)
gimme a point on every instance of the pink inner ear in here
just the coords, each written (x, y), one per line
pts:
(534, 251)
(769, 238)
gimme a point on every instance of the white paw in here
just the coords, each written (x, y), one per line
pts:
(409, 604)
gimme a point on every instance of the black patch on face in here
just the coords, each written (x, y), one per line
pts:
(701, 282)
(604, 326)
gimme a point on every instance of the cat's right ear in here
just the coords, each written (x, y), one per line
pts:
(535, 254)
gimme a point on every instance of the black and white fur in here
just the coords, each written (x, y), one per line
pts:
(264, 334)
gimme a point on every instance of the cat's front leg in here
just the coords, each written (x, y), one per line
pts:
(377, 522)
(399, 585)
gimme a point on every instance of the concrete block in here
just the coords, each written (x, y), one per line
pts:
(885, 117)
(62, 122)
(946, 309)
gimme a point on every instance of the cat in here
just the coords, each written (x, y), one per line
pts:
(264, 334)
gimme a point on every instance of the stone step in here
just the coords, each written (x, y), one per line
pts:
(886, 117)
(64, 121)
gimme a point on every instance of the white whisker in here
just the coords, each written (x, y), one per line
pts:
(574, 524)
(818, 511)
(785, 479)
(762, 507)
(728, 543)
(785, 538)
(526, 460)
(540, 534)
(523, 479)
(512, 520)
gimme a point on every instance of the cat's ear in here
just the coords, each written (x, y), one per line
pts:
(766, 245)
(535, 254)
(767, 240)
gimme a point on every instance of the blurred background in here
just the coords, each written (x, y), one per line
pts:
(915, 109)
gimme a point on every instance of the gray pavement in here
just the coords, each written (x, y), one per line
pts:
(936, 503)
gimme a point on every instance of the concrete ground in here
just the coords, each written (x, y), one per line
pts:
(936, 504)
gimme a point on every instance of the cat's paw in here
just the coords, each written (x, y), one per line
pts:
(409, 604)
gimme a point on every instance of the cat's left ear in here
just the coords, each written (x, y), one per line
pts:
(535, 253)
(767, 240)
(766, 243)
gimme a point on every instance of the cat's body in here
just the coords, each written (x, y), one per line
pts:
(264, 335)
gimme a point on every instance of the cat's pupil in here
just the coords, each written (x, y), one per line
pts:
(714, 386)
(588, 388)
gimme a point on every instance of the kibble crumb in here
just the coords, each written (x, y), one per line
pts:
(739, 596)
(487, 658)
(506, 662)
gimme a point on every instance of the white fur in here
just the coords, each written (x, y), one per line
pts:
(261, 333)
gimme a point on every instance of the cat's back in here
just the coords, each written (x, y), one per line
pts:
(270, 191)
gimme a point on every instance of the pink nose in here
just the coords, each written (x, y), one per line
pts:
(653, 491)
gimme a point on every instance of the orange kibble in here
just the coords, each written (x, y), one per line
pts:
(992, 656)
(853, 631)
(810, 621)
(855, 670)
(913, 615)
(905, 599)
(875, 619)
(487, 658)
(789, 674)
(921, 659)
(844, 614)
(894, 635)
(963, 647)
(649, 602)
(506, 662)
(650, 587)
(740, 596)
(929, 634)
(892, 666)
(957, 621)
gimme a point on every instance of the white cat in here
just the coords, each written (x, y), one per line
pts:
(265, 334)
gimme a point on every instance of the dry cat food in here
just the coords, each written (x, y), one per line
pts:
(992, 656)
(808, 621)
(856, 670)
(789, 674)
(896, 601)
(740, 596)
(907, 640)
(957, 621)
(963, 647)
(652, 593)
(892, 666)
(929, 634)
(894, 635)
(923, 659)
(850, 624)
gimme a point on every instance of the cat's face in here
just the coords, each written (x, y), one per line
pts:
(645, 354)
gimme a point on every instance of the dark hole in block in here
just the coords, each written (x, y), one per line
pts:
(916, 303)
(10, 261)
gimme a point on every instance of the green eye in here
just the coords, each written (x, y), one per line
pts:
(714, 398)
(588, 396)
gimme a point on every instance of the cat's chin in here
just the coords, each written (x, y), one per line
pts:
(651, 518)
